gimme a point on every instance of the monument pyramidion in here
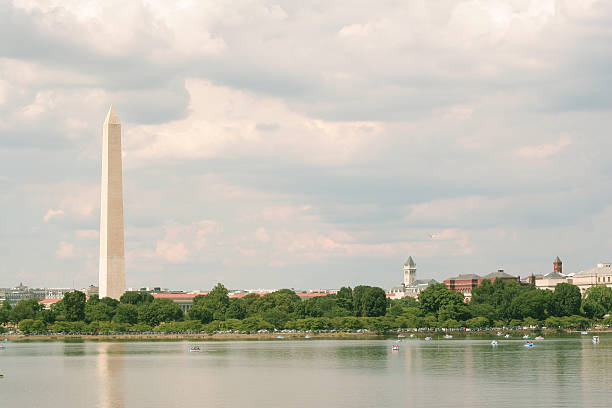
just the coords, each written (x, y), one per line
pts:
(112, 251)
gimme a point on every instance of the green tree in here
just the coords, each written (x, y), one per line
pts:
(345, 298)
(374, 302)
(98, 312)
(161, 310)
(217, 301)
(477, 322)
(276, 318)
(29, 326)
(484, 294)
(436, 296)
(48, 316)
(236, 309)
(74, 306)
(597, 301)
(5, 312)
(126, 313)
(136, 298)
(566, 300)
(200, 313)
(25, 309)
(531, 303)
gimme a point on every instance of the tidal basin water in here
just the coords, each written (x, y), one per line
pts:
(562, 372)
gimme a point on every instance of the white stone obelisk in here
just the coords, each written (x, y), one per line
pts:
(112, 253)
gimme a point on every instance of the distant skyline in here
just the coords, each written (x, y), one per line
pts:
(275, 144)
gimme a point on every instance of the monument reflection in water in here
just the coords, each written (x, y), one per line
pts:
(110, 375)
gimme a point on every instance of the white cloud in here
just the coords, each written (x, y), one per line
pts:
(88, 234)
(52, 213)
(223, 123)
(542, 151)
(65, 251)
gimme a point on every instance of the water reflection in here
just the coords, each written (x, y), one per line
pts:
(110, 373)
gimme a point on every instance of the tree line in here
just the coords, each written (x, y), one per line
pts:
(493, 304)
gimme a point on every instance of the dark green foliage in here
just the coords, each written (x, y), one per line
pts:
(369, 301)
(217, 301)
(98, 312)
(136, 298)
(236, 309)
(74, 306)
(160, 310)
(126, 313)
(25, 309)
(436, 296)
(566, 300)
(200, 313)
(29, 326)
(5, 312)
(597, 301)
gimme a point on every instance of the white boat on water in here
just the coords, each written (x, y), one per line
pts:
(499, 333)
(400, 336)
(584, 332)
(448, 336)
(507, 336)
(412, 336)
(494, 343)
(306, 336)
(427, 338)
(526, 336)
(595, 340)
(529, 344)
(280, 337)
(539, 338)
(194, 349)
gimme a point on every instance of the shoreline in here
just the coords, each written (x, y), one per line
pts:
(272, 336)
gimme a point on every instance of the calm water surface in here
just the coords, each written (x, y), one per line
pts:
(564, 372)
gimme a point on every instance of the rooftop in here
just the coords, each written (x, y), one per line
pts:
(499, 274)
(410, 262)
(599, 269)
(465, 276)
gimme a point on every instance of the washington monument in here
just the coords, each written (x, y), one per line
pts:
(112, 253)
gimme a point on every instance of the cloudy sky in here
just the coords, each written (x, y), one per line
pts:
(276, 144)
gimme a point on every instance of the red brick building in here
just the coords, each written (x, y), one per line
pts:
(466, 282)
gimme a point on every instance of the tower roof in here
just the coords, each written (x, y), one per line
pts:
(409, 262)
(111, 117)
(557, 260)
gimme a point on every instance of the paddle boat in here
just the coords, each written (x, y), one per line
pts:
(427, 338)
(395, 347)
(448, 336)
(280, 337)
(529, 344)
(584, 332)
(595, 340)
(539, 338)
(494, 343)
(306, 336)
(526, 336)
(194, 349)
(507, 336)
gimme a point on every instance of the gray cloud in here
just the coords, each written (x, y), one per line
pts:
(348, 135)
